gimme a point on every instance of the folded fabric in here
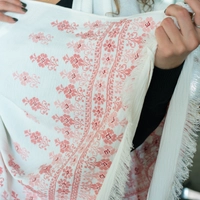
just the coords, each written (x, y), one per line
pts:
(72, 87)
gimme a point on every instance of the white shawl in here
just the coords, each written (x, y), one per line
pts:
(177, 144)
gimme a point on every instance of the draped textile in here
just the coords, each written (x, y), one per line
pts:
(72, 87)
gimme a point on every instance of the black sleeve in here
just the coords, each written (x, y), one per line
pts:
(156, 102)
(65, 3)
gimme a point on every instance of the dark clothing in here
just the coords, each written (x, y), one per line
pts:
(157, 98)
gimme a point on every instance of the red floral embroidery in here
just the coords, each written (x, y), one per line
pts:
(67, 172)
(148, 24)
(74, 76)
(98, 111)
(14, 196)
(100, 86)
(69, 90)
(45, 169)
(109, 45)
(107, 151)
(109, 136)
(64, 145)
(21, 151)
(44, 61)
(40, 37)
(78, 46)
(88, 34)
(108, 59)
(104, 164)
(15, 168)
(95, 124)
(114, 32)
(36, 138)
(35, 104)
(99, 98)
(34, 180)
(104, 72)
(66, 106)
(65, 26)
(26, 79)
(96, 187)
(76, 61)
(66, 120)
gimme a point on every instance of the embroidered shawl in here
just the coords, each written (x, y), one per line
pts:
(72, 87)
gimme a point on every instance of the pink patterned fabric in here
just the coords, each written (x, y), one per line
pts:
(62, 117)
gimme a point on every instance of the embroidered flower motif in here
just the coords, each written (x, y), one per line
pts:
(15, 168)
(66, 106)
(95, 124)
(148, 24)
(113, 120)
(40, 37)
(99, 98)
(109, 45)
(34, 180)
(109, 136)
(66, 120)
(100, 86)
(70, 91)
(73, 76)
(114, 32)
(45, 169)
(106, 151)
(64, 145)
(25, 79)
(37, 105)
(89, 34)
(104, 72)
(76, 61)
(67, 172)
(79, 46)
(104, 164)
(37, 138)
(64, 184)
(98, 111)
(108, 59)
(44, 61)
(96, 187)
(21, 151)
(65, 26)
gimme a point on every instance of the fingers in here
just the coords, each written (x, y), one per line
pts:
(171, 31)
(195, 5)
(15, 2)
(11, 6)
(189, 35)
(182, 16)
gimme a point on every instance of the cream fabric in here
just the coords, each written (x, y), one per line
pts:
(64, 127)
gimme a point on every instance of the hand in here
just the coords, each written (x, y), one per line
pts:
(175, 44)
(11, 6)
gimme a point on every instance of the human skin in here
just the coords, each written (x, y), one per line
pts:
(173, 44)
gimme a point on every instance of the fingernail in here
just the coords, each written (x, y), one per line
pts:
(23, 4)
(15, 19)
(24, 9)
